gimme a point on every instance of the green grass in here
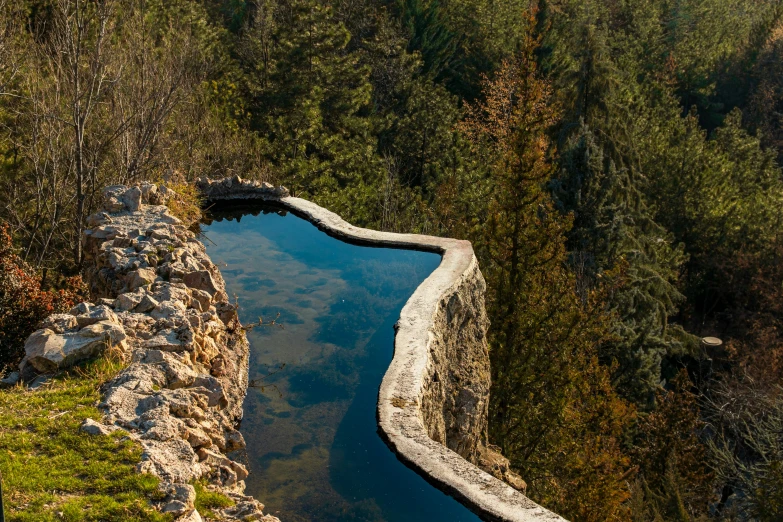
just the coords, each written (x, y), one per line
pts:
(53, 472)
(207, 500)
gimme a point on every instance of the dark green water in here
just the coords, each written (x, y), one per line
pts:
(313, 449)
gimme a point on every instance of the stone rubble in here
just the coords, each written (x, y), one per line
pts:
(161, 303)
(238, 188)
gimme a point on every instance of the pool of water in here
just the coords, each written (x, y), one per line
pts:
(313, 448)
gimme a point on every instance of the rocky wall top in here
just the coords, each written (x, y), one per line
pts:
(432, 405)
(160, 304)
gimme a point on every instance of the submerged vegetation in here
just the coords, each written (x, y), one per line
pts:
(616, 165)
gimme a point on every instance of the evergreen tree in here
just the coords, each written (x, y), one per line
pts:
(720, 197)
(429, 35)
(312, 101)
(615, 236)
(580, 59)
(548, 389)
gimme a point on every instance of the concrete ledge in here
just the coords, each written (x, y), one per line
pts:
(404, 408)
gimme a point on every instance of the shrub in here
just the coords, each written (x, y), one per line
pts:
(184, 201)
(23, 303)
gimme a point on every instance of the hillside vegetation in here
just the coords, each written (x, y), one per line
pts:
(616, 164)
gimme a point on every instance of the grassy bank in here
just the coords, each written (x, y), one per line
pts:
(52, 471)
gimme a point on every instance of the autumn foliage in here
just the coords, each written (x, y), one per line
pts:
(23, 303)
(554, 412)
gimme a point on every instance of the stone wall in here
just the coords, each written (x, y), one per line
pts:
(160, 303)
(432, 405)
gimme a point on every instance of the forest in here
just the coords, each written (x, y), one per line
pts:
(615, 163)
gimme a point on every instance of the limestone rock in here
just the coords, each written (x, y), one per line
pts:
(247, 510)
(151, 195)
(172, 460)
(200, 300)
(132, 199)
(168, 341)
(141, 277)
(81, 308)
(49, 351)
(186, 380)
(147, 304)
(235, 441)
(238, 188)
(184, 493)
(176, 508)
(178, 374)
(198, 438)
(214, 459)
(97, 314)
(128, 301)
(201, 280)
(112, 198)
(92, 427)
(119, 198)
(59, 323)
(166, 291)
(227, 314)
(168, 309)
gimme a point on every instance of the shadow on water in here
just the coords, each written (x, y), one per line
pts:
(313, 449)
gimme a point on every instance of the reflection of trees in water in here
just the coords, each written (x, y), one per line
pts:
(236, 210)
(366, 510)
(337, 304)
(376, 288)
(325, 379)
(328, 506)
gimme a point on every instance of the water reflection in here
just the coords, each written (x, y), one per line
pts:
(312, 444)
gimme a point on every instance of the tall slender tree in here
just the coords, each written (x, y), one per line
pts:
(548, 387)
(614, 234)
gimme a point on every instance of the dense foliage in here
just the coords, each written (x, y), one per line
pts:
(616, 165)
(23, 303)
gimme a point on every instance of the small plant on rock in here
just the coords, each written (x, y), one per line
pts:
(184, 201)
(208, 500)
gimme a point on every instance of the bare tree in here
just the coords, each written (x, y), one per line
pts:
(79, 57)
(167, 67)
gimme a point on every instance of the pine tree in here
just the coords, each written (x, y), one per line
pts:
(312, 101)
(615, 236)
(553, 411)
(580, 59)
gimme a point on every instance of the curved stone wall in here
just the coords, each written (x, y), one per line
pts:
(432, 405)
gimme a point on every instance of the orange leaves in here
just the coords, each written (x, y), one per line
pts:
(669, 445)
(517, 105)
(23, 303)
(553, 411)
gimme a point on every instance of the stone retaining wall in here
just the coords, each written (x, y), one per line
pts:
(160, 303)
(432, 405)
